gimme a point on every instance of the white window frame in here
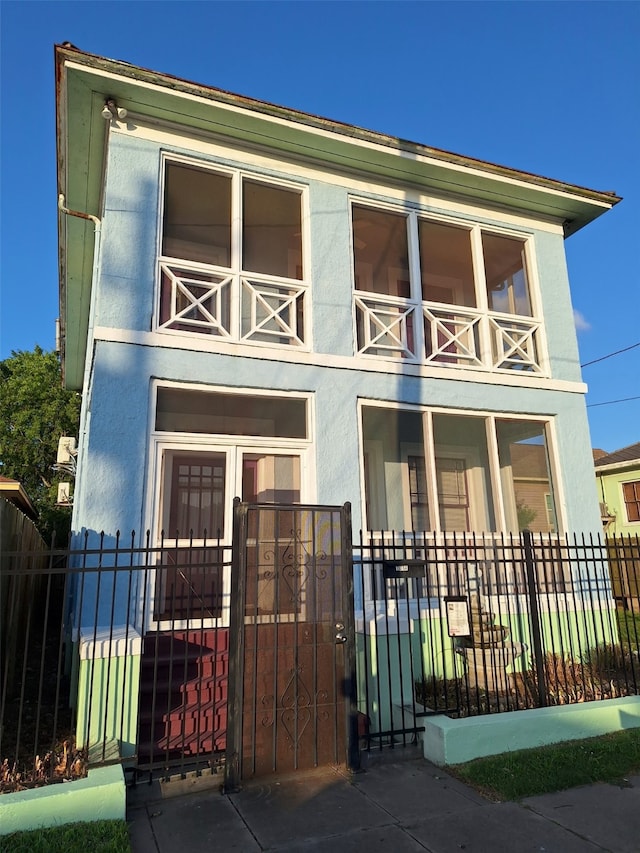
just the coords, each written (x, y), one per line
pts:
(239, 280)
(164, 442)
(477, 480)
(516, 334)
(624, 483)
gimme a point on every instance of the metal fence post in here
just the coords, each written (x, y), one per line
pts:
(536, 634)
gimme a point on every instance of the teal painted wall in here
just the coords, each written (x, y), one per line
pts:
(451, 742)
(100, 796)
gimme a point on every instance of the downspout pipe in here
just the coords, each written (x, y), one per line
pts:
(79, 213)
(89, 350)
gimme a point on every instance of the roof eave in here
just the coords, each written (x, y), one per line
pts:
(612, 467)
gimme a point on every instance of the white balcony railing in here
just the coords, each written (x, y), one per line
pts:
(256, 309)
(453, 336)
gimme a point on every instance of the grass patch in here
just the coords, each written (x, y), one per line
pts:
(527, 772)
(629, 627)
(101, 836)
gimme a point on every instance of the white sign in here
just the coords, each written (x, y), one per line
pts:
(457, 617)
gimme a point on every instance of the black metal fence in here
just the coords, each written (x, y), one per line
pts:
(119, 650)
(464, 625)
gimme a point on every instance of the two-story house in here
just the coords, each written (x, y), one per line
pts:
(261, 303)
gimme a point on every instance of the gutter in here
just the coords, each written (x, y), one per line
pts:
(617, 466)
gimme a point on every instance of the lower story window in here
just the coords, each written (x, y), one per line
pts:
(213, 446)
(456, 473)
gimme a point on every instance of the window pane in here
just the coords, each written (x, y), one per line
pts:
(182, 410)
(189, 583)
(270, 479)
(381, 253)
(631, 493)
(462, 471)
(506, 275)
(446, 265)
(418, 493)
(271, 230)
(395, 487)
(197, 495)
(197, 215)
(526, 482)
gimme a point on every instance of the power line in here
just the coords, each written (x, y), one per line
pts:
(602, 358)
(611, 402)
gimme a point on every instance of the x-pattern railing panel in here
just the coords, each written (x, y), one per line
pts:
(272, 312)
(452, 336)
(514, 343)
(197, 301)
(386, 327)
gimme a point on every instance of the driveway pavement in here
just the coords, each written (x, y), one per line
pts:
(398, 806)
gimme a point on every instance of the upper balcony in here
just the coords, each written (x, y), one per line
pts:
(445, 293)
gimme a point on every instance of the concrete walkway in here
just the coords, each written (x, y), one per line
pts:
(397, 806)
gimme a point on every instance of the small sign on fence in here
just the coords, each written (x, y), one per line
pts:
(457, 615)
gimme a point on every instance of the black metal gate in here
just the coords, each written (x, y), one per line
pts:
(292, 699)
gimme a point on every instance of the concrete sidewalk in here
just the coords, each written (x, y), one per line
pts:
(399, 806)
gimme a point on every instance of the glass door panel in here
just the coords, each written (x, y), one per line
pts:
(189, 573)
(270, 478)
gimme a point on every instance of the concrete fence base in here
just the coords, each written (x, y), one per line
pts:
(446, 741)
(100, 796)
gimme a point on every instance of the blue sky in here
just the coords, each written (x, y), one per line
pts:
(547, 87)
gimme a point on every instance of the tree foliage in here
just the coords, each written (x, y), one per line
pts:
(35, 410)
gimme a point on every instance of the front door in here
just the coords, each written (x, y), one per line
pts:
(291, 693)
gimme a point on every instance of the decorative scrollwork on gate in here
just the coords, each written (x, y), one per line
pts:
(296, 703)
(298, 564)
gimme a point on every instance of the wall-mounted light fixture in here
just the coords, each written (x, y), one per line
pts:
(112, 111)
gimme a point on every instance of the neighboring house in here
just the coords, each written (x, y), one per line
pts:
(618, 479)
(261, 303)
(13, 491)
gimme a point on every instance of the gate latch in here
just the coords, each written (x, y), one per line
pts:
(340, 637)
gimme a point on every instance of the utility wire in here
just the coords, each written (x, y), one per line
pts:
(602, 358)
(610, 402)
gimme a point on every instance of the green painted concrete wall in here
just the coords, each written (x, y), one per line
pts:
(101, 796)
(107, 707)
(446, 741)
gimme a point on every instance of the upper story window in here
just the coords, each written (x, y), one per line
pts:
(442, 293)
(231, 262)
